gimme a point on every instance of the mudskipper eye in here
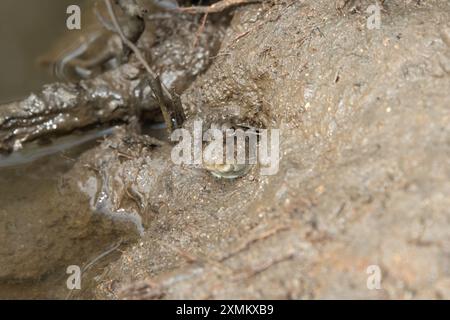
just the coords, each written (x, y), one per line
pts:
(231, 153)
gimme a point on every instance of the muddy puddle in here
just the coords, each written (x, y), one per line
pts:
(29, 179)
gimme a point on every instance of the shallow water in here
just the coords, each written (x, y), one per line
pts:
(28, 28)
(30, 177)
(27, 179)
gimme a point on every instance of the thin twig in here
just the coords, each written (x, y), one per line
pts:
(170, 104)
(253, 240)
(102, 255)
(200, 29)
(254, 271)
(125, 40)
(94, 261)
(217, 7)
(133, 47)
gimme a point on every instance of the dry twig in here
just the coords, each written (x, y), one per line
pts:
(169, 103)
(217, 7)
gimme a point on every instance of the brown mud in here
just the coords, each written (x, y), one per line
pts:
(45, 224)
(363, 180)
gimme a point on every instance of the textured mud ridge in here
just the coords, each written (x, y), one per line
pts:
(364, 172)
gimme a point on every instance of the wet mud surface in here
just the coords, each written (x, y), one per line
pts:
(363, 180)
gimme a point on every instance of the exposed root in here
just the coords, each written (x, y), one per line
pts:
(169, 103)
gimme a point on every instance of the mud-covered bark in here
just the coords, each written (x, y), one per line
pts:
(175, 51)
(61, 108)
